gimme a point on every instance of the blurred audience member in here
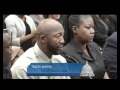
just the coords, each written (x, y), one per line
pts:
(82, 49)
(23, 30)
(110, 56)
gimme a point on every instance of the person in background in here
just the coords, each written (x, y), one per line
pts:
(16, 50)
(113, 18)
(101, 31)
(6, 55)
(23, 30)
(53, 16)
(37, 18)
(111, 25)
(68, 34)
(110, 56)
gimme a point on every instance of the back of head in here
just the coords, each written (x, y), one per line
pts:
(6, 49)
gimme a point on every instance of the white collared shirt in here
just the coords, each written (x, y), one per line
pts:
(34, 55)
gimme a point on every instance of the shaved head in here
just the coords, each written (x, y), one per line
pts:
(47, 26)
(49, 36)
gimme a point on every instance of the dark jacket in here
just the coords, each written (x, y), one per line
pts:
(7, 73)
(73, 54)
(110, 56)
(100, 34)
(111, 25)
(112, 28)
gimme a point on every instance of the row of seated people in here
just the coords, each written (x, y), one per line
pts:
(79, 38)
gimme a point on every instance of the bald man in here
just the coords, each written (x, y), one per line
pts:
(49, 41)
(6, 56)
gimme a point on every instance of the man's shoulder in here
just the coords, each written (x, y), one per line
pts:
(25, 59)
(113, 37)
(28, 18)
(58, 59)
(29, 53)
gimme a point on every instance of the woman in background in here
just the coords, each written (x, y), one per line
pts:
(23, 30)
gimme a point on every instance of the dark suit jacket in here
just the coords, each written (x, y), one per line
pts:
(100, 35)
(111, 25)
(7, 73)
(74, 54)
(110, 56)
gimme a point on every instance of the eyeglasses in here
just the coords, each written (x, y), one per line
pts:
(9, 32)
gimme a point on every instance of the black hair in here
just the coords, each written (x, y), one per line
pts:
(45, 16)
(4, 25)
(69, 22)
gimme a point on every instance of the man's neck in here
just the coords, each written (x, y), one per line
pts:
(45, 51)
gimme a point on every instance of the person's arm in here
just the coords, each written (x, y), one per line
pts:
(10, 24)
(17, 41)
(27, 37)
(33, 30)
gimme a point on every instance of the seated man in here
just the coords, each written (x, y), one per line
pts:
(6, 56)
(49, 41)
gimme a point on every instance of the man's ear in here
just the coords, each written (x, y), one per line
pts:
(43, 38)
(74, 29)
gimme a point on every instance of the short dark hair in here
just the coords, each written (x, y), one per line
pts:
(46, 16)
